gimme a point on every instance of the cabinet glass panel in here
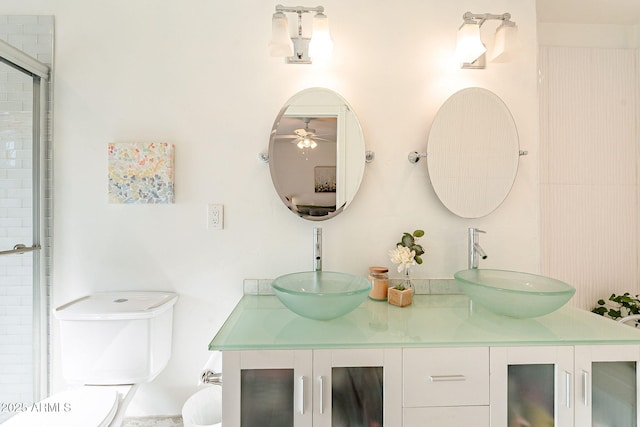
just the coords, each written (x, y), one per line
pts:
(531, 395)
(266, 398)
(356, 397)
(614, 394)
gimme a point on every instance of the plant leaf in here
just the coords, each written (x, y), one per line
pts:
(407, 240)
(418, 233)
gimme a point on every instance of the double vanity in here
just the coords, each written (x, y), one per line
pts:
(441, 361)
(301, 355)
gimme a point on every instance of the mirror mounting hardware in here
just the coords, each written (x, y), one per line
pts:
(414, 157)
(369, 156)
(263, 157)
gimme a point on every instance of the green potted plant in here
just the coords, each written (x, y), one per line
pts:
(618, 306)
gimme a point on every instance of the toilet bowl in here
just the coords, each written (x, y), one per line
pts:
(95, 406)
(111, 342)
(203, 408)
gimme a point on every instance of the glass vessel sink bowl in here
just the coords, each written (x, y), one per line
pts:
(321, 295)
(512, 293)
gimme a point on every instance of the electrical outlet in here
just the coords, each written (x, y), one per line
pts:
(215, 217)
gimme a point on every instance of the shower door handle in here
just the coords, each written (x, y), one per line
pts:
(20, 249)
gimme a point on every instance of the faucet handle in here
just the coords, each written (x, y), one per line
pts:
(477, 230)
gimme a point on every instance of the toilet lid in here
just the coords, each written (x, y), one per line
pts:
(82, 407)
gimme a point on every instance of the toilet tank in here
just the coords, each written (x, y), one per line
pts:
(116, 337)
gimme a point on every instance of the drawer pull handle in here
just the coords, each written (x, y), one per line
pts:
(441, 378)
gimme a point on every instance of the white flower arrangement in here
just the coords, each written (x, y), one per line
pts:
(407, 251)
(402, 256)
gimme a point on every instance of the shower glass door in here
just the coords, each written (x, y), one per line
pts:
(23, 124)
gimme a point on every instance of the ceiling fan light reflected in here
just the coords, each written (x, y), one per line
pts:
(505, 46)
(469, 46)
(280, 44)
(307, 142)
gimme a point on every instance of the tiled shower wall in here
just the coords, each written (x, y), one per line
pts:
(589, 169)
(33, 35)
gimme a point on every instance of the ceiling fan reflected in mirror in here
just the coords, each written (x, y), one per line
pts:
(307, 137)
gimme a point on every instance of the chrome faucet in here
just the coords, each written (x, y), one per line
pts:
(475, 250)
(317, 248)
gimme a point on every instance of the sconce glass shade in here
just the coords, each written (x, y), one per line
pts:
(505, 46)
(321, 45)
(280, 44)
(469, 46)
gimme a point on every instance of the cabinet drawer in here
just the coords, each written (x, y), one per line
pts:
(477, 416)
(446, 376)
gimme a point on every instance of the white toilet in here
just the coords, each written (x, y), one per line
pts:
(111, 342)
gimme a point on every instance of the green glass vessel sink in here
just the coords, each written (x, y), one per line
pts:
(512, 293)
(321, 295)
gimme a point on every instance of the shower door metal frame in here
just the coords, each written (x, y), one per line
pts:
(40, 73)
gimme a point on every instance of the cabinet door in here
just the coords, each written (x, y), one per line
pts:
(531, 386)
(270, 388)
(606, 385)
(357, 387)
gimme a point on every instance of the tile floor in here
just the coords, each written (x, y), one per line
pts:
(153, 422)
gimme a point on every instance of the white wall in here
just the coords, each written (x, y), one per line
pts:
(589, 143)
(197, 74)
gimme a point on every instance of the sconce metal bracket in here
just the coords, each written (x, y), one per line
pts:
(300, 51)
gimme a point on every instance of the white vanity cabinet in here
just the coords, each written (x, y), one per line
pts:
(590, 385)
(532, 386)
(319, 388)
(447, 387)
(606, 384)
(267, 387)
(434, 363)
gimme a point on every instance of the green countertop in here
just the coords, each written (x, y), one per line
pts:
(262, 322)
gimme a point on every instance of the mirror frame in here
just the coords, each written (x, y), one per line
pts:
(321, 102)
(473, 152)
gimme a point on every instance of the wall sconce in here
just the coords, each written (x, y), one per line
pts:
(470, 50)
(298, 49)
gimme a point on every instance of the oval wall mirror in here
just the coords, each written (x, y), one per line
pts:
(473, 152)
(316, 154)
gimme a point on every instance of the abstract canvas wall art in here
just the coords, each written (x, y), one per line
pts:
(141, 172)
